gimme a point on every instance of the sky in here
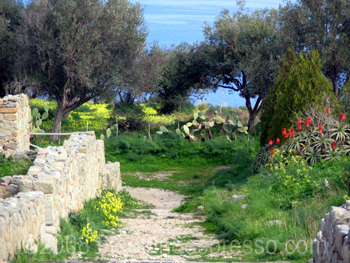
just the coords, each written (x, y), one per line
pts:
(171, 22)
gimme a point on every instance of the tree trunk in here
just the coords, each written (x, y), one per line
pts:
(57, 123)
(66, 115)
(251, 121)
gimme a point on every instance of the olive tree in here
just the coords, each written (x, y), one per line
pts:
(77, 50)
(243, 52)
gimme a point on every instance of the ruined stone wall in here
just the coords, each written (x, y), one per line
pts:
(14, 122)
(332, 244)
(61, 179)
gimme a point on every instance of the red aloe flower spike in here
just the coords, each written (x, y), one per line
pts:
(270, 142)
(299, 122)
(342, 116)
(278, 140)
(307, 124)
(309, 119)
(320, 129)
(292, 131)
(284, 131)
(272, 152)
(333, 145)
(286, 136)
(299, 128)
(328, 110)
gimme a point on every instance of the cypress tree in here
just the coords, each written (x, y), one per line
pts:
(300, 84)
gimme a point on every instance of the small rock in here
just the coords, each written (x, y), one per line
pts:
(274, 222)
(200, 208)
(13, 189)
(6, 179)
(326, 183)
(244, 206)
(236, 197)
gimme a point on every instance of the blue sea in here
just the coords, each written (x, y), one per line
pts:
(171, 22)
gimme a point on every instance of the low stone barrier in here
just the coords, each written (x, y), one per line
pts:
(332, 244)
(61, 180)
(14, 122)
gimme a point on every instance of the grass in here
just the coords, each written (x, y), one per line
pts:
(10, 167)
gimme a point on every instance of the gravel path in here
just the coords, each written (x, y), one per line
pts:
(165, 236)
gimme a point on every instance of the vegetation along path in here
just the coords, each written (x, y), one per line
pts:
(162, 234)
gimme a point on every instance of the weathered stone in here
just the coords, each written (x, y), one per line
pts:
(50, 242)
(10, 146)
(49, 210)
(236, 197)
(6, 179)
(10, 117)
(8, 110)
(51, 230)
(26, 185)
(13, 189)
(46, 185)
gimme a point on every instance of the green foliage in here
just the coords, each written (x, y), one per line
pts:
(300, 84)
(36, 119)
(10, 167)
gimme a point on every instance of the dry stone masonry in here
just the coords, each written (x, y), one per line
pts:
(14, 122)
(61, 179)
(332, 244)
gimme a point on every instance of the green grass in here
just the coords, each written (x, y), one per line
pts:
(9, 167)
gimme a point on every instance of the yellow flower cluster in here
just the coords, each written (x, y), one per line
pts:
(110, 205)
(89, 235)
(291, 170)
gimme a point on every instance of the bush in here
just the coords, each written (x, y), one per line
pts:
(299, 85)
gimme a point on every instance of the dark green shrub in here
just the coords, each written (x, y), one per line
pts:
(300, 84)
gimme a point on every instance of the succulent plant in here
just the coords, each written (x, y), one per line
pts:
(36, 119)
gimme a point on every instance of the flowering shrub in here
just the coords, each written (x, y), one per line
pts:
(89, 235)
(291, 171)
(320, 138)
(110, 205)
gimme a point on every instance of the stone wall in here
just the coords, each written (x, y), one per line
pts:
(14, 122)
(61, 179)
(332, 244)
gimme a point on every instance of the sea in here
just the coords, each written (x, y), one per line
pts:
(171, 22)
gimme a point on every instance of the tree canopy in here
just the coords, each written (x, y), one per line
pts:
(242, 52)
(77, 50)
(322, 25)
(10, 19)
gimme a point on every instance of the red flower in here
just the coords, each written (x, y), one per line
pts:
(328, 111)
(272, 152)
(333, 145)
(307, 124)
(286, 136)
(284, 131)
(274, 142)
(299, 122)
(278, 140)
(320, 129)
(342, 116)
(309, 119)
(292, 131)
(270, 142)
(299, 127)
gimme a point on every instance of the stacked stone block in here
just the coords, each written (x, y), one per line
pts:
(14, 122)
(61, 180)
(332, 244)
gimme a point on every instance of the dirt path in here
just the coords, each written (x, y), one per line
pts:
(164, 236)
